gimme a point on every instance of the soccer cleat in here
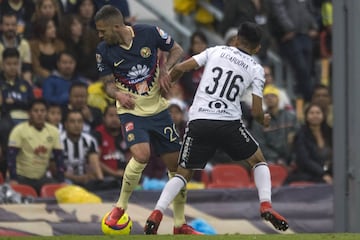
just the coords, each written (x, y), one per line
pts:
(186, 229)
(153, 222)
(114, 216)
(269, 214)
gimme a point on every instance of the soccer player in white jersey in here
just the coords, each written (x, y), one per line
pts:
(215, 120)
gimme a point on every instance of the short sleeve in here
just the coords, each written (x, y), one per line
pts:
(101, 64)
(15, 137)
(203, 57)
(164, 41)
(258, 81)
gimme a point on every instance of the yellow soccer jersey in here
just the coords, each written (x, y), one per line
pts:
(145, 105)
(35, 148)
(136, 68)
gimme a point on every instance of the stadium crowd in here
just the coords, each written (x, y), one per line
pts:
(58, 125)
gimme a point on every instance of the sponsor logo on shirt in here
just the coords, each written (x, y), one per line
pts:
(129, 126)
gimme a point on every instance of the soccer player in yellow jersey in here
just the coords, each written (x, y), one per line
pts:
(128, 64)
(30, 147)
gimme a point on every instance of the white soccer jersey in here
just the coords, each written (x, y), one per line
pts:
(227, 74)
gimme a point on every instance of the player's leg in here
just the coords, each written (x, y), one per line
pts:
(194, 154)
(263, 184)
(136, 136)
(239, 144)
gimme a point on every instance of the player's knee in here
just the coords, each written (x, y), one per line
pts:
(256, 158)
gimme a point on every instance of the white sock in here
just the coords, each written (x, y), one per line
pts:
(263, 181)
(171, 189)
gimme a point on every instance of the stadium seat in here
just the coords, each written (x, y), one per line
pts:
(48, 190)
(24, 190)
(229, 176)
(205, 177)
(278, 174)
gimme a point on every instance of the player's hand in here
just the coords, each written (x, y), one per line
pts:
(126, 100)
(165, 81)
(267, 119)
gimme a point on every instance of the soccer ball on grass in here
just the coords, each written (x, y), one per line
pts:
(123, 226)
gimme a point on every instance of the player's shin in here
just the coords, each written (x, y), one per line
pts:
(170, 191)
(131, 179)
(179, 204)
(263, 181)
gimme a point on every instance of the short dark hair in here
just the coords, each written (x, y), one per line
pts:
(108, 12)
(36, 101)
(65, 52)
(71, 111)
(10, 52)
(8, 14)
(78, 84)
(250, 33)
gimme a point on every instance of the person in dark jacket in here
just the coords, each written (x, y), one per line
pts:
(294, 27)
(313, 149)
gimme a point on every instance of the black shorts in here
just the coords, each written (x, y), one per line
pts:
(203, 137)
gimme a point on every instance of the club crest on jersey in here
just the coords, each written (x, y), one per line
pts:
(162, 33)
(145, 52)
(131, 137)
(23, 88)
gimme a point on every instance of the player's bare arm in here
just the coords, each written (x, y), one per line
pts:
(179, 69)
(126, 99)
(258, 113)
(173, 57)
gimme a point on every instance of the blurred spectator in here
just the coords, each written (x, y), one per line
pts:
(178, 111)
(190, 80)
(284, 99)
(16, 94)
(78, 101)
(322, 97)
(237, 12)
(67, 6)
(56, 87)
(313, 148)
(82, 160)
(10, 39)
(48, 9)
(230, 37)
(277, 139)
(31, 144)
(199, 15)
(294, 27)
(114, 153)
(122, 5)
(81, 42)
(23, 9)
(326, 31)
(86, 11)
(97, 97)
(44, 48)
(54, 116)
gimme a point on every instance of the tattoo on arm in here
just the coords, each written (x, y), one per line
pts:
(109, 85)
(174, 56)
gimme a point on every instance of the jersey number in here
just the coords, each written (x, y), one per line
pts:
(172, 133)
(230, 88)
